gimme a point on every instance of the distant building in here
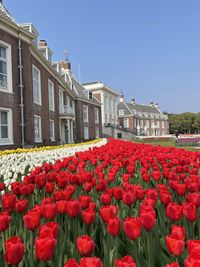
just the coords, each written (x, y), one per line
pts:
(108, 99)
(41, 102)
(141, 119)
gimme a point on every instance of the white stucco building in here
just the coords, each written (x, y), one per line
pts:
(108, 99)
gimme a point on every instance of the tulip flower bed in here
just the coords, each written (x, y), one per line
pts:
(122, 204)
(14, 164)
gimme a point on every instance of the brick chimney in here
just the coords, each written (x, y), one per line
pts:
(66, 65)
(45, 50)
(133, 101)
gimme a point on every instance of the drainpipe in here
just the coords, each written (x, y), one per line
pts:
(21, 89)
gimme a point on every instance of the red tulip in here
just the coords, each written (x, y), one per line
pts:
(107, 211)
(174, 246)
(21, 205)
(71, 263)
(14, 250)
(148, 220)
(49, 187)
(113, 226)
(174, 211)
(8, 202)
(84, 201)
(85, 245)
(90, 262)
(49, 229)
(190, 211)
(4, 220)
(173, 264)
(32, 220)
(44, 248)
(49, 211)
(132, 227)
(88, 216)
(178, 232)
(129, 197)
(73, 208)
(126, 261)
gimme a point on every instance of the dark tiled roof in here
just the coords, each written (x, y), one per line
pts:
(143, 108)
(122, 105)
(5, 14)
(80, 92)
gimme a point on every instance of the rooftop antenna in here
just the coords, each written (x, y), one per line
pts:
(66, 55)
(79, 72)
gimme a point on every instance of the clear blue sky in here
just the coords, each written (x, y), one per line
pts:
(148, 48)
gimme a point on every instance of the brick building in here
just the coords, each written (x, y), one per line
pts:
(142, 119)
(41, 102)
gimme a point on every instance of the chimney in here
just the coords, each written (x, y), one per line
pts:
(121, 97)
(65, 65)
(42, 43)
(133, 101)
(151, 103)
(45, 50)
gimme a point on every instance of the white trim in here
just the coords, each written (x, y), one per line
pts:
(86, 132)
(52, 108)
(39, 82)
(9, 140)
(85, 119)
(96, 119)
(38, 140)
(8, 67)
(52, 137)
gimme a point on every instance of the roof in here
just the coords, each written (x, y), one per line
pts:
(6, 15)
(143, 108)
(80, 92)
(98, 85)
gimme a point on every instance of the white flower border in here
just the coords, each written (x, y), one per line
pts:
(16, 165)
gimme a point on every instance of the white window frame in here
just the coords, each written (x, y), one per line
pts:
(85, 113)
(86, 132)
(96, 115)
(9, 140)
(52, 137)
(39, 139)
(126, 123)
(61, 101)
(51, 95)
(9, 88)
(36, 101)
(121, 112)
(96, 132)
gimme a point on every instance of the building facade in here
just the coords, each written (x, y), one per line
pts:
(109, 100)
(146, 120)
(39, 100)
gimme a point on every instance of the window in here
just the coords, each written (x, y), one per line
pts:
(6, 134)
(5, 67)
(85, 113)
(52, 130)
(36, 86)
(126, 122)
(37, 128)
(121, 112)
(96, 132)
(86, 133)
(142, 123)
(96, 115)
(163, 124)
(51, 95)
(73, 106)
(61, 101)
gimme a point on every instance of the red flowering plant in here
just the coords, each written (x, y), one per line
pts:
(122, 204)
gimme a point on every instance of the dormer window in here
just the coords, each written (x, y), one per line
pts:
(121, 112)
